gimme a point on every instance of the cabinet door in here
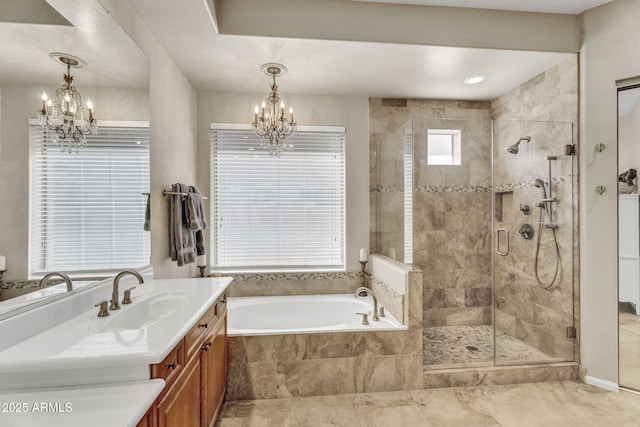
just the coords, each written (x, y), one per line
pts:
(180, 407)
(147, 420)
(214, 372)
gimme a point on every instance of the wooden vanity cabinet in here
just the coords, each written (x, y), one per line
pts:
(214, 372)
(196, 374)
(180, 406)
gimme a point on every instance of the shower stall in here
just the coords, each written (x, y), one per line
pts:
(486, 208)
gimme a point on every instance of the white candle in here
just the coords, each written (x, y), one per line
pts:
(392, 253)
(363, 255)
(201, 260)
(3, 263)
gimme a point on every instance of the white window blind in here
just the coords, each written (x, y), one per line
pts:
(277, 213)
(87, 211)
(408, 195)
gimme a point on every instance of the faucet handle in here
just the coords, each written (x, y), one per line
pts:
(365, 318)
(103, 308)
(381, 311)
(126, 299)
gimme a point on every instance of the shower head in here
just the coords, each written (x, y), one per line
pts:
(513, 149)
(540, 184)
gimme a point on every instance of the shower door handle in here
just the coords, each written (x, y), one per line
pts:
(498, 251)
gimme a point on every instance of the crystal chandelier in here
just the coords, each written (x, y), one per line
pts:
(270, 122)
(65, 114)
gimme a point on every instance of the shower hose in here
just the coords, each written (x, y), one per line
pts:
(543, 208)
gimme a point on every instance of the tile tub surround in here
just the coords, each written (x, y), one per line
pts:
(273, 366)
(561, 403)
(398, 288)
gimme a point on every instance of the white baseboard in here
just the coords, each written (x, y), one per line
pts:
(607, 385)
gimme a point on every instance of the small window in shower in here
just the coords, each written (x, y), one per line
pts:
(444, 147)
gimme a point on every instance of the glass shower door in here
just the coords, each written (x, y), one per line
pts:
(533, 241)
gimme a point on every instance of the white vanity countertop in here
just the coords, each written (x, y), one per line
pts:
(107, 405)
(140, 333)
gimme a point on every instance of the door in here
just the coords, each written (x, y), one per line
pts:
(533, 232)
(628, 239)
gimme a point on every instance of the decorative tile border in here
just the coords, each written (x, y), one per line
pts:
(386, 189)
(557, 180)
(387, 289)
(22, 284)
(260, 277)
(433, 189)
(453, 189)
(28, 284)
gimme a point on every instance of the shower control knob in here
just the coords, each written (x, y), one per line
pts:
(526, 231)
(525, 208)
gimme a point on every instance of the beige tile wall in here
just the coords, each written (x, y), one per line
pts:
(536, 316)
(452, 204)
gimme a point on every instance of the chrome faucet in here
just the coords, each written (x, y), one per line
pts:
(375, 300)
(115, 305)
(66, 278)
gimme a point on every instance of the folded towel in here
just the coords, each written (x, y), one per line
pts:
(147, 214)
(196, 218)
(181, 239)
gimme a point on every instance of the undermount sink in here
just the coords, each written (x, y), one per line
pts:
(144, 312)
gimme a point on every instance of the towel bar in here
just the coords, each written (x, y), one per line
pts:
(165, 192)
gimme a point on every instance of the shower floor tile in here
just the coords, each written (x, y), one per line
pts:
(472, 346)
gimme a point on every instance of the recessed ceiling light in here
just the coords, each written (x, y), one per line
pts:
(478, 78)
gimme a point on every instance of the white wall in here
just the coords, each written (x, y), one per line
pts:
(17, 104)
(608, 54)
(352, 112)
(172, 104)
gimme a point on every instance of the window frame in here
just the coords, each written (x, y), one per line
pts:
(248, 269)
(456, 146)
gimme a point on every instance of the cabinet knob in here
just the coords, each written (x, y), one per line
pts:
(206, 346)
(173, 365)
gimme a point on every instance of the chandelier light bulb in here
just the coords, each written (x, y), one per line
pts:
(67, 98)
(89, 105)
(45, 98)
(257, 109)
(264, 105)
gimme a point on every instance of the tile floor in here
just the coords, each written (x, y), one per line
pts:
(471, 346)
(554, 404)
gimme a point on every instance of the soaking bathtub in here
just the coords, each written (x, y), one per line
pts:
(303, 314)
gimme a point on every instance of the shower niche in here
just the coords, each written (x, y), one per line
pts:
(494, 234)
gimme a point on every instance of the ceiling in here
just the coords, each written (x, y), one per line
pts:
(112, 57)
(573, 7)
(320, 67)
